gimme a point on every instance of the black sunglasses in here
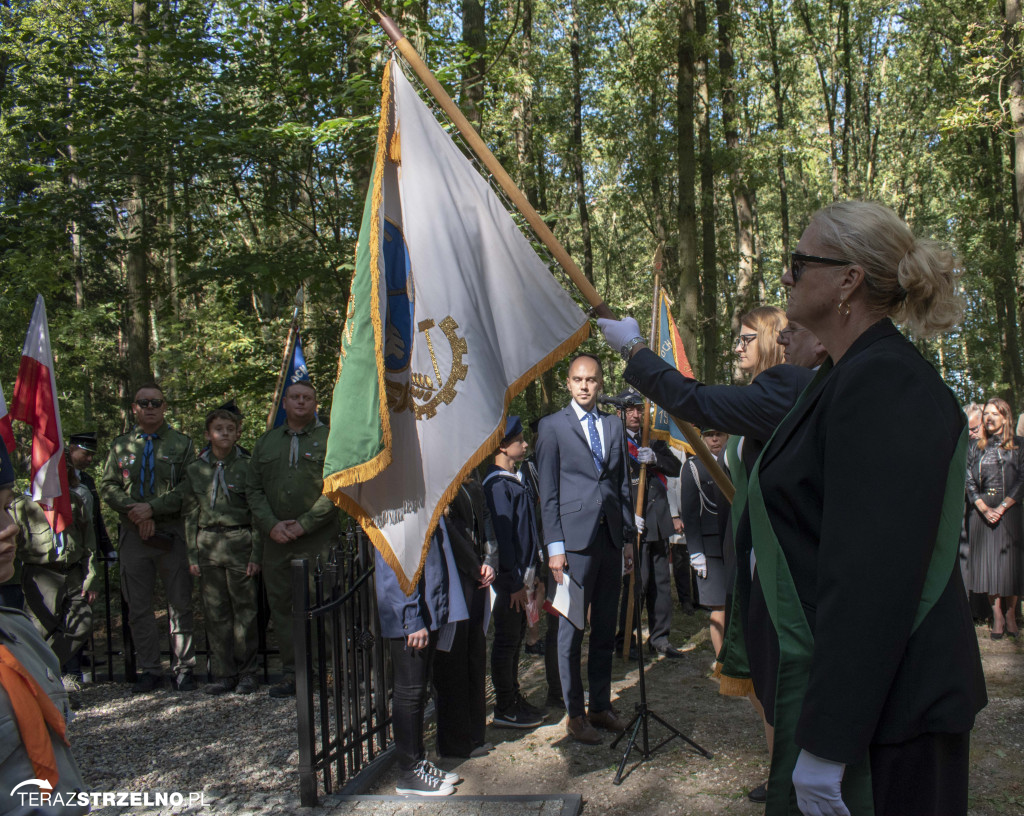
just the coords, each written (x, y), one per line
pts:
(149, 403)
(798, 259)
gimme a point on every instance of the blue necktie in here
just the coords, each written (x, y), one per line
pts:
(148, 466)
(595, 442)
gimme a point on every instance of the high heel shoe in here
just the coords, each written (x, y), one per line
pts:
(996, 635)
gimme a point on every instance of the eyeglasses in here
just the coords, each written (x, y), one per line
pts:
(745, 340)
(797, 260)
(149, 403)
(785, 335)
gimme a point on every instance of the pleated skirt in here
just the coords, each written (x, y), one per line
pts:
(995, 561)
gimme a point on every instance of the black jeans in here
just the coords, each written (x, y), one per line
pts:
(411, 668)
(509, 631)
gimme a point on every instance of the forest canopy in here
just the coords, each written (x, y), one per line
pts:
(173, 171)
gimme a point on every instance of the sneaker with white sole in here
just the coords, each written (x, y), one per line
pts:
(516, 717)
(447, 776)
(420, 782)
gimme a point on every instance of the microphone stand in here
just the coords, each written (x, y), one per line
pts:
(638, 726)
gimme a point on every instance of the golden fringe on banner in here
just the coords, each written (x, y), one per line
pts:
(347, 504)
(732, 686)
(375, 466)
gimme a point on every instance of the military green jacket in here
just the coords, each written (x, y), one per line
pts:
(37, 543)
(172, 453)
(231, 510)
(279, 490)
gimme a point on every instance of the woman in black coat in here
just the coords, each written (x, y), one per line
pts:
(879, 675)
(995, 484)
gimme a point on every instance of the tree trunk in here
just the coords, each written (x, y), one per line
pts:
(688, 293)
(743, 211)
(710, 364)
(774, 27)
(522, 111)
(576, 145)
(138, 366)
(474, 37)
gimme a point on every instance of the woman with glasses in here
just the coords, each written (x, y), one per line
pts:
(854, 521)
(749, 414)
(995, 484)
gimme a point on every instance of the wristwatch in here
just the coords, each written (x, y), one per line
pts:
(1003, 504)
(629, 345)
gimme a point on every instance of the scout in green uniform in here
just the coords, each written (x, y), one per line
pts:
(32, 699)
(58, 571)
(295, 519)
(224, 553)
(142, 470)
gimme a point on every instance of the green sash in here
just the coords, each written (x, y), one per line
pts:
(796, 643)
(733, 667)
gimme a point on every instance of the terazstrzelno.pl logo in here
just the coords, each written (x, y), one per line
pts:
(36, 793)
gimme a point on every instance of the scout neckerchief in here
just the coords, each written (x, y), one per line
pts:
(33, 712)
(220, 481)
(148, 467)
(733, 666)
(796, 642)
(293, 450)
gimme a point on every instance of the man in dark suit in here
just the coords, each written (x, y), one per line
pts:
(655, 578)
(587, 516)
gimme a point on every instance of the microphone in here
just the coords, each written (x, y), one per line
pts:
(612, 401)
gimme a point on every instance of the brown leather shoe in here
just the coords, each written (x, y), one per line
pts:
(609, 718)
(580, 729)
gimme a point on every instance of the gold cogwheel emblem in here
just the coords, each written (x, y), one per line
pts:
(425, 392)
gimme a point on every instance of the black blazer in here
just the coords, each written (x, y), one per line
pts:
(700, 519)
(751, 411)
(854, 497)
(658, 516)
(574, 497)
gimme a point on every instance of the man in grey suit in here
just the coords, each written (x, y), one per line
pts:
(587, 515)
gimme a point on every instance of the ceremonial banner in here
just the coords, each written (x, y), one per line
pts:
(6, 431)
(450, 315)
(669, 346)
(35, 403)
(295, 371)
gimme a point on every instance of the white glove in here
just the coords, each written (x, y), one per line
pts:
(699, 563)
(645, 456)
(617, 333)
(638, 522)
(817, 783)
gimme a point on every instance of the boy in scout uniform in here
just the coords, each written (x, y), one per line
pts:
(296, 520)
(224, 553)
(58, 571)
(142, 470)
(34, 709)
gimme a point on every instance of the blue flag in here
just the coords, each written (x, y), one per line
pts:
(296, 372)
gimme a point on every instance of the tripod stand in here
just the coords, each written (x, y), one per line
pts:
(638, 726)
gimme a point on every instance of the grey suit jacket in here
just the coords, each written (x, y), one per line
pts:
(574, 496)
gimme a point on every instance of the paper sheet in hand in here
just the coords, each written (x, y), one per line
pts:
(568, 600)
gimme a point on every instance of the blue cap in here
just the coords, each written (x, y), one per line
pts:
(513, 427)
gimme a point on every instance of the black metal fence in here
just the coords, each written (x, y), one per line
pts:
(110, 653)
(342, 673)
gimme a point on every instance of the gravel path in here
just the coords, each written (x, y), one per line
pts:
(241, 752)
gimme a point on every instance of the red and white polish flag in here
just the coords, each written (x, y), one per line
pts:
(35, 404)
(6, 431)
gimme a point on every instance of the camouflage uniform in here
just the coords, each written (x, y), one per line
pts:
(222, 542)
(164, 552)
(286, 482)
(56, 572)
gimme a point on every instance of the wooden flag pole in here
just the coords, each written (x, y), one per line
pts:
(289, 347)
(477, 145)
(641, 488)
